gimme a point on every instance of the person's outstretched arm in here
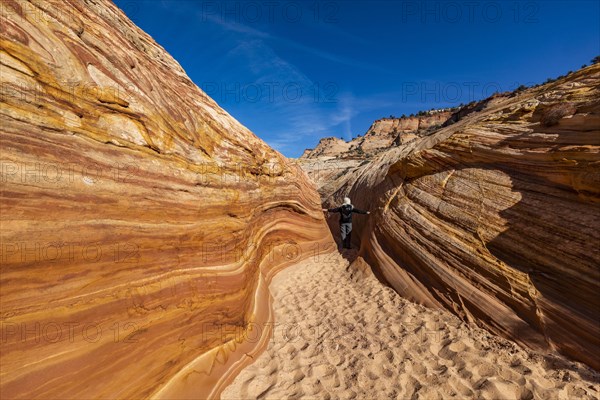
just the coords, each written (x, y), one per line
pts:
(356, 210)
(337, 209)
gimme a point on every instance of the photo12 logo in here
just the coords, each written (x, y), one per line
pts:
(269, 11)
(54, 332)
(68, 252)
(454, 92)
(56, 173)
(271, 92)
(469, 12)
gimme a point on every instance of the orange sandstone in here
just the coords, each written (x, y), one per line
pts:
(141, 224)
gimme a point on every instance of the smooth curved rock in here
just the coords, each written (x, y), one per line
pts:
(495, 217)
(141, 224)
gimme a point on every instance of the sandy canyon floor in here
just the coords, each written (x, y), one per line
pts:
(341, 334)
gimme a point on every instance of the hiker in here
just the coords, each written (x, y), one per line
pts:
(346, 211)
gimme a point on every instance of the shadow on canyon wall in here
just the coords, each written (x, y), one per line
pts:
(546, 236)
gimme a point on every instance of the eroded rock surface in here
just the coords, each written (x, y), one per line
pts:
(494, 217)
(141, 224)
(382, 134)
(386, 132)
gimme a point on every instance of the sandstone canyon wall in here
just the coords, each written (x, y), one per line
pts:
(327, 147)
(382, 134)
(140, 223)
(495, 217)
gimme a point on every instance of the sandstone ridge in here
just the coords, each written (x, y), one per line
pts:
(494, 216)
(382, 134)
(141, 223)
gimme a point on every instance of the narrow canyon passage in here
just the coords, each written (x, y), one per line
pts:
(143, 228)
(340, 334)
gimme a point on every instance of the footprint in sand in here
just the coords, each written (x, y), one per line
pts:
(460, 386)
(447, 353)
(336, 359)
(484, 370)
(289, 350)
(522, 393)
(384, 358)
(457, 346)
(510, 375)
(257, 386)
(486, 389)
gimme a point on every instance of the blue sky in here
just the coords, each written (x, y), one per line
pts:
(296, 71)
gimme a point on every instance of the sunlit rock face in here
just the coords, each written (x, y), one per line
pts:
(141, 223)
(495, 217)
(327, 147)
(383, 134)
(387, 132)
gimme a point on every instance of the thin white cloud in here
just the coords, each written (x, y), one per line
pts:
(305, 119)
(237, 27)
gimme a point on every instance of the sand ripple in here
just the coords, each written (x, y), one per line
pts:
(340, 334)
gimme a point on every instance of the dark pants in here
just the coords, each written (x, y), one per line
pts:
(346, 231)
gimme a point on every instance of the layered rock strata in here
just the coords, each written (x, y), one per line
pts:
(494, 217)
(140, 223)
(382, 134)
